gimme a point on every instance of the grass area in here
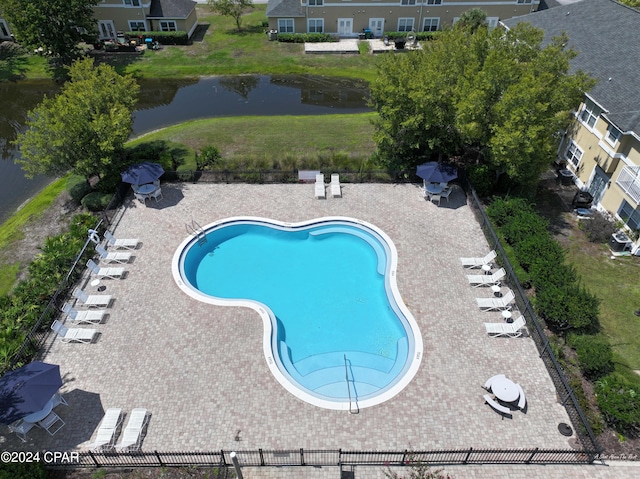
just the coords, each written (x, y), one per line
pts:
(615, 282)
(224, 51)
(268, 142)
(12, 229)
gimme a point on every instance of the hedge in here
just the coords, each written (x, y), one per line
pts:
(78, 187)
(306, 38)
(595, 356)
(165, 38)
(619, 402)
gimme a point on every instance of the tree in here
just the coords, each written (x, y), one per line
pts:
(84, 127)
(495, 98)
(231, 8)
(472, 19)
(56, 26)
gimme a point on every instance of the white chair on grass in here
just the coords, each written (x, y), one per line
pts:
(478, 262)
(476, 280)
(319, 186)
(113, 256)
(496, 304)
(105, 272)
(70, 335)
(92, 316)
(336, 190)
(92, 300)
(106, 436)
(21, 428)
(512, 330)
(132, 435)
(121, 243)
(50, 421)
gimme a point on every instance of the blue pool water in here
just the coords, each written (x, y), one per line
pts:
(338, 331)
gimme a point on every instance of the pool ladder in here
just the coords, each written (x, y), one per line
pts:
(196, 230)
(353, 404)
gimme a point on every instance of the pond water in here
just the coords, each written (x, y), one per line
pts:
(167, 102)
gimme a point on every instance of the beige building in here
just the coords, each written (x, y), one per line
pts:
(602, 148)
(348, 18)
(114, 16)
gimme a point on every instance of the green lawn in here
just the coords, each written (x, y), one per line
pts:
(615, 282)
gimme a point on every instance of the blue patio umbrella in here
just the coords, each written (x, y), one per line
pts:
(434, 172)
(142, 173)
(27, 389)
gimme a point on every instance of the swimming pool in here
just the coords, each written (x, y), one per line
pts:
(336, 332)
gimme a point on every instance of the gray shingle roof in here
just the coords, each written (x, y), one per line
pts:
(171, 8)
(284, 8)
(606, 35)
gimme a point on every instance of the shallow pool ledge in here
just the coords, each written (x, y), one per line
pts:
(268, 320)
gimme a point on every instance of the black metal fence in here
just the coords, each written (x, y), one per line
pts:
(321, 457)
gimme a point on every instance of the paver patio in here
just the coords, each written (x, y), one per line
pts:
(199, 369)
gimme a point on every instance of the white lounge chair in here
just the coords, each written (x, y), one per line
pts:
(76, 316)
(512, 330)
(496, 304)
(478, 262)
(336, 190)
(78, 335)
(92, 300)
(113, 256)
(505, 411)
(50, 421)
(121, 243)
(476, 280)
(21, 428)
(106, 436)
(319, 186)
(489, 382)
(132, 435)
(522, 401)
(108, 272)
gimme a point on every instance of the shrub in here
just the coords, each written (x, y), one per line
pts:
(25, 470)
(421, 36)
(207, 158)
(482, 178)
(619, 401)
(594, 354)
(598, 229)
(568, 306)
(305, 38)
(78, 187)
(96, 201)
(536, 247)
(165, 38)
(502, 211)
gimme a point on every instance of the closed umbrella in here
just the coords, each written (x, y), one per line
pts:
(142, 173)
(434, 172)
(27, 389)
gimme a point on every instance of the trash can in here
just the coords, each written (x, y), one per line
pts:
(368, 34)
(362, 36)
(273, 35)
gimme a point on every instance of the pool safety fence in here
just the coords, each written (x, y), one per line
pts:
(221, 463)
(567, 397)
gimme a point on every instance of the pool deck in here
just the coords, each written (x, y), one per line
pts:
(200, 370)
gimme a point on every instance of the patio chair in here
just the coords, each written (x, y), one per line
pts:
(76, 316)
(102, 272)
(512, 330)
(113, 256)
(336, 190)
(489, 382)
(140, 197)
(121, 243)
(435, 199)
(446, 193)
(496, 304)
(503, 410)
(106, 436)
(78, 335)
(58, 399)
(132, 435)
(21, 428)
(478, 262)
(319, 186)
(92, 300)
(522, 400)
(156, 195)
(476, 280)
(49, 422)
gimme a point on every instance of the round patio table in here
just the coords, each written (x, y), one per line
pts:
(505, 389)
(434, 188)
(147, 189)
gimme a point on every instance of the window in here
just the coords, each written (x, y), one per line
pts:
(407, 2)
(589, 114)
(613, 135)
(520, 2)
(137, 26)
(315, 3)
(431, 24)
(315, 25)
(629, 215)
(492, 22)
(285, 25)
(434, 2)
(4, 30)
(405, 24)
(629, 182)
(168, 26)
(133, 3)
(574, 153)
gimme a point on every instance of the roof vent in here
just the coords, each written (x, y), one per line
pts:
(609, 79)
(568, 13)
